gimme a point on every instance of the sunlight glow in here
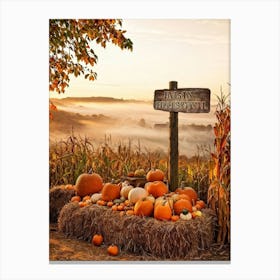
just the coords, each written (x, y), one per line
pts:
(196, 53)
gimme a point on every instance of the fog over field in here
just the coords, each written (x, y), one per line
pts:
(133, 120)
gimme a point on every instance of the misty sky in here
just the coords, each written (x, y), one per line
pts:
(196, 53)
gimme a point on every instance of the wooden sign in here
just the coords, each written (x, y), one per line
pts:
(186, 100)
(174, 100)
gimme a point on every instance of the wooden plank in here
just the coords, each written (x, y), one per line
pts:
(173, 146)
(185, 100)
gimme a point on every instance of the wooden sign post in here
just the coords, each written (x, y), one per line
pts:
(174, 100)
(173, 145)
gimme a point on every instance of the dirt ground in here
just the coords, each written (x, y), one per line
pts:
(68, 249)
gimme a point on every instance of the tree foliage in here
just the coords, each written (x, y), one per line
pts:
(70, 50)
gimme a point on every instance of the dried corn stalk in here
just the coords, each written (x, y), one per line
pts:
(219, 190)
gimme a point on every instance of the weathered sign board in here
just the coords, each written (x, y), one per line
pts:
(174, 100)
(186, 100)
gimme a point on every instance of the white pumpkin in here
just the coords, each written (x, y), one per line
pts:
(125, 190)
(95, 197)
(136, 194)
(185, 215)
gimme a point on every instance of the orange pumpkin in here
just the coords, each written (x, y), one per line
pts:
(189, 192)
(115, 207)
(177, 196)
(130, 174)
(101, 202)
(182, 204)
(110, 191)
(163, 211)
(113, 250)
(161, 199)
(97, 239)
(144, 207)
(87, 197)
(185, 196)
(197, 207)
(82, 204)
(156, 188)
(126, 202)
(155, 175)
(175, 218)
(76, 198)
(201, 203)
(120, 207)
(87, 184)
(110, 203)
(129, 212)
(70, 187)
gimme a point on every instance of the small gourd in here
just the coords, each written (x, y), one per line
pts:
(97, 239)
(198, 213)
(140, 173)
(122, 198)
(194, 209)
(113, 250)
(185, 215)
(117, 201)
(95, 197)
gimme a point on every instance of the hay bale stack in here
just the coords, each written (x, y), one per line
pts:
(143, 236)
(58, 197)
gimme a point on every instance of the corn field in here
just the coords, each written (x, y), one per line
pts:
(75, 155)
(219, 189)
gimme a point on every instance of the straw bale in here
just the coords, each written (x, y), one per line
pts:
(58, 197)
(141, 235)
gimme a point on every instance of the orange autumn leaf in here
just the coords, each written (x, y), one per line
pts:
(70, 47)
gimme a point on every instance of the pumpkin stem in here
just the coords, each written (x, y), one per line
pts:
(169, 203)
(90, 171)
(193, 202)
(164, 202)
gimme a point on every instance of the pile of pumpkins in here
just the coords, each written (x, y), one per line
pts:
(153, 200)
